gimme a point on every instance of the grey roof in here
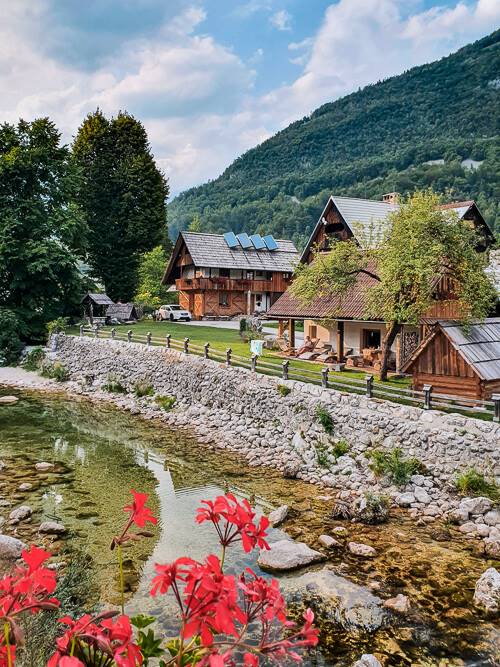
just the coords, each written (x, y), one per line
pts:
(493, 269)
(100, 299)
(367, 219)
(478, 343)
(122, 311)
(211, 250)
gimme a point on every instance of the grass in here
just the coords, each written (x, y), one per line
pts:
(325, 419)
(33, 360)
(394, 465)
(114, 386)
(143, 388)
(340, 448)
(165, 402)
(473, 483)
(55, 371)
(283, 389)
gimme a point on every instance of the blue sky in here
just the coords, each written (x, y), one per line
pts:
(212, 78)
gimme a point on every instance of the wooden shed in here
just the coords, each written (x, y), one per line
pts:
(122, 312)
(95, 306)
(458, 359)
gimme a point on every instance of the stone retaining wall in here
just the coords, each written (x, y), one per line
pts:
(246, 412)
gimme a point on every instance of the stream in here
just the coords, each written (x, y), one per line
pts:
(99, 453)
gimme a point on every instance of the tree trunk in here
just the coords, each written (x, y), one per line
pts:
(393, 328)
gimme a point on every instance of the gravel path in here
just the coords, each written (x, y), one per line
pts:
(18, 377)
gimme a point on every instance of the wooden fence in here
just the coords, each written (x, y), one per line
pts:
(426, 399)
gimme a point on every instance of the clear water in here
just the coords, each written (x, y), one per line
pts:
(100, 453)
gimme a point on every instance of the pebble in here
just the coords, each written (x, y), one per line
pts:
(328, 541)
(399, 604)
(362, 550)
(43, 465)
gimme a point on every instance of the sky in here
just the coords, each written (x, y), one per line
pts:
(212, 78)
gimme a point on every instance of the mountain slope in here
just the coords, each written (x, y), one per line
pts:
(370, 142)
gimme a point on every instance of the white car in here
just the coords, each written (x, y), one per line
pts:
(173, 313)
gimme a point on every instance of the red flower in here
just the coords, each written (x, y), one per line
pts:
(139, 513)
(250, 660)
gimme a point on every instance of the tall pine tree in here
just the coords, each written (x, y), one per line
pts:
(123, 195)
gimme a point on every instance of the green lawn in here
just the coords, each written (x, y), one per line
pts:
(220, 339)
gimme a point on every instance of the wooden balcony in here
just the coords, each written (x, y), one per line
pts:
(229, 284)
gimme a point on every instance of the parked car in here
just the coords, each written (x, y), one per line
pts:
(173, 313)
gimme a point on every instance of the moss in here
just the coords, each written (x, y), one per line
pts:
(473, 483)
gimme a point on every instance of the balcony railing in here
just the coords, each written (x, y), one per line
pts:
(224, 284)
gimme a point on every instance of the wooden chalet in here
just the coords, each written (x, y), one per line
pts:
(458, 360)
(226, 275)
(341, 321)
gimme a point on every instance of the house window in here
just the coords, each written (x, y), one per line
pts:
(371, 338)
(224, 273)
(224, 299)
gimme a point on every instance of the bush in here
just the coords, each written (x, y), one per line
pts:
(283, 389)
(473, 483)
(322, 455)
(57, 325)
(340, 448)
(143, 388)
(243, 325)
(393, 465)
(10, 341)
(372, 509)
(34, 359)
(166, 402)
(114, 386)
(55, 371)
(325, 419)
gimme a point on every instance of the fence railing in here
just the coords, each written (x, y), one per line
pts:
(325, 377)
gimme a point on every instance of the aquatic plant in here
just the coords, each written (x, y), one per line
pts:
(473, 483)
(143, 388)
(325, 419)
(216, 610)
(166, 402)
(394, 465)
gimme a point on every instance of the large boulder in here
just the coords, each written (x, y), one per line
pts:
(336, 599)
(10, 547)
(487, 591)
(478, 505)
(287, 555)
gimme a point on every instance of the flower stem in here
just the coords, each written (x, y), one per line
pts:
(6, 629)
(223, 556)
(122, 585)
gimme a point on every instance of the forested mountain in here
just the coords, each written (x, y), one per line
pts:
(377, 140)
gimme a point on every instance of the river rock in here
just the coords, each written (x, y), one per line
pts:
(492, 518)
(399, 604)
(421, 495)
(291, 469)
(52, 528)
(287, 555)
(10, 547)
(20, 513)
(469, 528)
(492, 547)
(43, 465)
(367, 660)
(335, 598)
(405, 500)
(278, 515)
(487, 591)
(339, 530)
(328, 541)
(362, 550)
(25, 486)
(8, 399)
(478, 505)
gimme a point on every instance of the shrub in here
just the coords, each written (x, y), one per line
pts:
(34, 359)
(10, 342)
(114, 386)
(59, 324)
(372, 509)
(325, 419)
(143, 388)
(393, 465)
(322, 455)
(166, 402)
(283, 389)
(56, 371)
(340, 448)
(243, 325)
(473, 483)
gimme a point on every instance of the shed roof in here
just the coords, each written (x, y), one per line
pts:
(211, 250)
(478, 343)
(122, 311)
(100, 299)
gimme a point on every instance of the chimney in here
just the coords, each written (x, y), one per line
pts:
(390, 198)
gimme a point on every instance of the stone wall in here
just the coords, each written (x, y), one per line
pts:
(246, 412)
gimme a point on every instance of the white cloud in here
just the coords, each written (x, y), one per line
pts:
(281, 20)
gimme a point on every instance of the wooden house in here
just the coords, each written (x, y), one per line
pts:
(225, 275)
(458, 360)
(122, 312)
(341, 321)
(95, 306)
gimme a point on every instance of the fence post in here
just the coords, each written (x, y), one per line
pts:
(285, 365)
(81, 329)
(228, 356)
(369, 386)
(129, 335)
(427, 396)
(167, 341)
(206, 353)
(96, 331)
(496, 403)
(254, 362)
(186, 345)
(148, 338)
(324, 377)
(113, 332)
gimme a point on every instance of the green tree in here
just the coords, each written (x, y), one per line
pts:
(421, 244)
(195, 224)
(150, 292)
(123, 195)
(41, 228)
